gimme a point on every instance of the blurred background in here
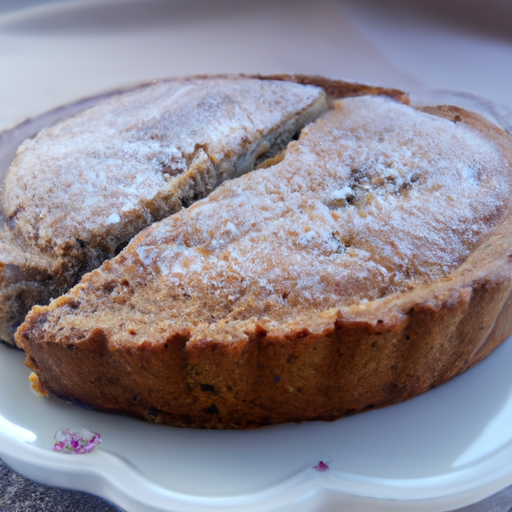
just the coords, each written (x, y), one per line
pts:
(53, 52)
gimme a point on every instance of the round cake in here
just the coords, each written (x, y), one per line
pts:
(366, 263)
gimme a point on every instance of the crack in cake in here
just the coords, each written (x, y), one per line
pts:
(80, 190)
(365, 264)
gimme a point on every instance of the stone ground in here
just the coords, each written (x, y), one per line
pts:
(17, 494)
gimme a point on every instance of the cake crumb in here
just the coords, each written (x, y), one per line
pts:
(36, 386)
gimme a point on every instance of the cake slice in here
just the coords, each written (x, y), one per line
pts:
(80, 190)
(368, 264)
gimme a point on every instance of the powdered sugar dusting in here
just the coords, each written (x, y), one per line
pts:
(113, 219)
(374, 198)
(117, 162)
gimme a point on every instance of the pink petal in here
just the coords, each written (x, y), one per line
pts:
(321, 466)
(76, 441)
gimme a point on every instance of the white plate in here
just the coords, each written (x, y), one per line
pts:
(447, 448)
(440, 451)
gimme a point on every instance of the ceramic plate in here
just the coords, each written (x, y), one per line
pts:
(447, 448)
(442, 450)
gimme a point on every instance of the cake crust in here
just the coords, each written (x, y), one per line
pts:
(315, 364)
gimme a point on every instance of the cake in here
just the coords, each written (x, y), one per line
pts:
(366, 263)
(81, 189)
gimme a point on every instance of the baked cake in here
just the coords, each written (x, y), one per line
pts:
(80, 190)
(367, 263)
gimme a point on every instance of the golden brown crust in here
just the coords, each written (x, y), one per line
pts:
(336, 89)
(350, 368)
(318, 367)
